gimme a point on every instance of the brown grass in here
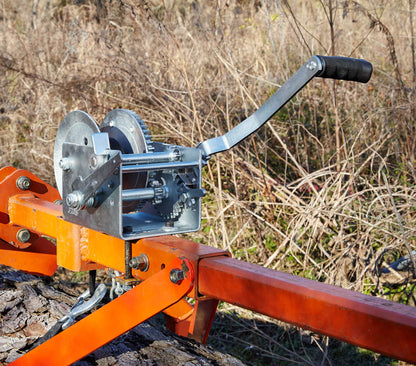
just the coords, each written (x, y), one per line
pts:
(306, 193)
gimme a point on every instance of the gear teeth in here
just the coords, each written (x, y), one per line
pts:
(175, 213)
(146, 133)
(148, 145)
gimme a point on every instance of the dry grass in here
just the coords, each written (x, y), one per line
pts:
(306, 194)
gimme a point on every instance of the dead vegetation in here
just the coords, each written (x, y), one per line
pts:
(325, 190)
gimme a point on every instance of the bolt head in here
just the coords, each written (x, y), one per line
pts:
(141, 262)
(176, 276)
(93, 162)
(73, 199)
(70, 200)
(66, 164)
(23, 183)
(23, 235)
(183, 197)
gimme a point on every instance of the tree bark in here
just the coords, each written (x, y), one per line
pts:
(29, 307)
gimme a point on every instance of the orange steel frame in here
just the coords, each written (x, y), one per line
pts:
(210, 275)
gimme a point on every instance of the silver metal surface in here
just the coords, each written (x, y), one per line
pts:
(171, 203)
(159, 166)
(141, 262)
(101, 143)
(183, 178)
(77, 127)
(104, 214)
(23, 235)
(137, 194)
(155, 157)
(250, 125)
(89, 185)
(128, 134)
(83, 306)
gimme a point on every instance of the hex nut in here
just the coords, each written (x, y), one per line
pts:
(176, 276)
(23, 235)
(141, 262)
(23, 183)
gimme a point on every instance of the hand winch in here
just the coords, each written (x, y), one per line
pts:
(115, 179)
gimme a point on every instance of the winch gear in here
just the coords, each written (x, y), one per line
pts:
(172, 207)
(129, 134)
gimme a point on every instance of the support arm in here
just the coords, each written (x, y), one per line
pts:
(113, 319)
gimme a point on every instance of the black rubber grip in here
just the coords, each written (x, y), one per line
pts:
(345, 68)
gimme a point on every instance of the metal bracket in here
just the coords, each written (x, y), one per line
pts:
(84, 189)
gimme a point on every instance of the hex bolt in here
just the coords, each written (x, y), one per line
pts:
(23, 235)
(72, 200)
(311, 65)
(23, 183)
(93, 162)
(66, 164)
(176, 275)
(141, 262)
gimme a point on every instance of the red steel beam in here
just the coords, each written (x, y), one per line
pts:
(380, 325)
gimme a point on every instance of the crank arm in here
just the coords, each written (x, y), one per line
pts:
(341, 68)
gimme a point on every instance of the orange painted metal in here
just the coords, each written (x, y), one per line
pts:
(197, 324)
(42, 216)
(181, 310)
(109, 251)
(113, 319)
(8, 188)
(80, 249)
(39, 188)
(39, 258)
(366, 321)
(202, 318)
(37, 255)
(369, 322)
(9, 234)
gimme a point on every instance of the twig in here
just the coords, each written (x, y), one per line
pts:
(399, 219)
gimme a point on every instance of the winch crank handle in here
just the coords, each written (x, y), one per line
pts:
(323, 66)
(345, 68)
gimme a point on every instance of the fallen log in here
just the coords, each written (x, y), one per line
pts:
(29, 307)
